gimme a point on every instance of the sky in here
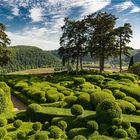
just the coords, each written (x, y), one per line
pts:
(38, 22)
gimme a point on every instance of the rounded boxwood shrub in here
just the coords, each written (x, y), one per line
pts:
(116, 121)
(118, 94)
(32, 108)
(55, 132)
(79, 137)
(100, 137)
(94, 78)
(3, 104)
(98, 97)
(126, 107)
(108, 110)
(77, 110)
(129, 99)
(70, 100)
(92, 125)
(62, 125)
(120, 133)
(36, 126)
(126, 124)
(137, 105)
(41, 136)
(21, 135)
(52, 96)
(17, 123)
(46, 125)
(108, 91)
(132, 132)
(3, 122)
(79, 80)
(3, 132)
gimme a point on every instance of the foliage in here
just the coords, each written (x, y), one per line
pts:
(79, 137)
(21, 135)
(41, 136)
(116, 121)
(107, 110)
(62, 125)
(135, 69)
(3, 132)
(77, 109)
(3, 122)
(120, 133)
(45, 125)
(92, 125)
(34, 108)
(132, 132)
(17, 123)
(78, 80)
(126, 124)
(118, 94)
(36, 126)
(3, 105)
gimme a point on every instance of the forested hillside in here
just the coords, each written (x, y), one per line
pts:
(27, 57)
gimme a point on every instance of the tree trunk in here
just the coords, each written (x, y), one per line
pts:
(68, 66)
(101, 65)
(120, 55)
(81, 63)
(77, 65)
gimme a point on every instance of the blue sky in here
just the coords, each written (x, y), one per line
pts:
(38, 22)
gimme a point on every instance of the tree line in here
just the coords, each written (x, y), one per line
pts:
(95, 34)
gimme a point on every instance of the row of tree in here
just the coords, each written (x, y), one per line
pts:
(95, 34)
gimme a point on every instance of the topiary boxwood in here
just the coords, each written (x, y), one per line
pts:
(41, 135)
(36, 126)
(108, 110)
(120, 133)
(62, 125)
(132, 132)
(92, 125)
(77, 109)
(46, 125)
(3, 132)
(3, 122)
(116, 121)
(79, 137)
(126, 124)
(17, 123)
(21, 135)
(118, 94)
(32, 108)
(79, 80)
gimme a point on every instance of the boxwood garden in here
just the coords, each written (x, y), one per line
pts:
(88, 106)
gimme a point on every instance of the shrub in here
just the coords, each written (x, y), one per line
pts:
(77, 110)
(78, 131)
(21, 135)
(135, 69)
(98, 97)
(52, 96)
(126, 124)
(129, 99)
(132, 132)
(70, 100)
(46, 125)
(107, 91)
(78, 80)
(94, 78)
(3, 104)
(113, 86)
(55, 132)
(67, 92)
(137, 105)
(116, 121)
(3, 132)
(62, 125)
(32, 108)
(20, 85)
(84, 100)
(36, 126)
(131, 91)
(120, 133)
(100, 137)
(108, 110)
(126, 106)
(118, 94)
(3, 122)
(92, 125)
(79, 137)
(41, 136)
(17, 123)
(61, 96)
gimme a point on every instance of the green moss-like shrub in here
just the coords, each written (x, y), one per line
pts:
(67, 92)
(132, 91)
(132, 132)
(32, 108)
(17, 123)
(3, 104)
(46, 125)
(126, 124)
(77, 110)
(137, 105)
(92, 125)
(126, 107)
(113, 86)
(70, 100)
(52, 96)
(129, 99)
(36, 126)
(21, 135)
(78, 80)
(55, 132)
(118, 94)
(41, 135)
(108, 110)
(3, 122)
(100, 137)
(98, 97)
(94, 78)
(20, 85)
(3, 132)
(116, 121)
(135, 69)
(62, 125)
(120, 133)
(84, 100)
(78, 131)
(107, 90)
(79, 137)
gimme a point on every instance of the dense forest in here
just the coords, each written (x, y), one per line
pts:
(27, 57)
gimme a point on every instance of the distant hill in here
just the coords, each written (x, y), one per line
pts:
(27, 57)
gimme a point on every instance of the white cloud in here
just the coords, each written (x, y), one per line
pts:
(20, 39)
(36, 14)
(135, 9)
(15, 11)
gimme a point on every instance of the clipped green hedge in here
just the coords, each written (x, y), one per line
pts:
(77, 109)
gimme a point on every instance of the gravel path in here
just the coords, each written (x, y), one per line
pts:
(18, 105)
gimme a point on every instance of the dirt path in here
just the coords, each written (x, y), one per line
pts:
(18, 105)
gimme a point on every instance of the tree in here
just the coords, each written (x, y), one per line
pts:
(4, 42)
(123, 34)
(101, 36)
(131, 63)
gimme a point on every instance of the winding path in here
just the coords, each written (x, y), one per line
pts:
(18, 105)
